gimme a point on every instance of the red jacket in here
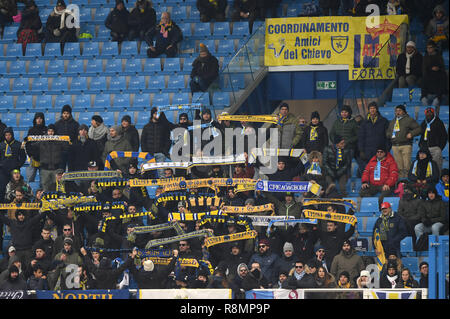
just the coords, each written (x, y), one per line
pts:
(388, 175)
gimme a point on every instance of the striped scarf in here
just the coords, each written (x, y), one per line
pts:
(428, 129)
(339, 157)
(313, 136)
(429, 171)
(8, 151)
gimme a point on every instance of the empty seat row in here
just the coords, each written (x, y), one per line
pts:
(105, 100)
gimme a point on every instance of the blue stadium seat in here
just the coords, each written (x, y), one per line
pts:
(369, 205)
(201, 97)
(86, 14)
(17, 67)
(75, 67)
(141, 100)
(412, 263)
(406, 245)
(416, 94)
(221, 99)
(117, 83)
(176, 82)
(187, 64)
(444, 113)
(179, 13)
(61, 100)
(202, 30)
(33, 50)
(97, 84)
(240, 28)
(82, 100)
(6, 101)
(142, 119)
(52, 49)
(136, 84)
(10, 119)
(221, 29)
(24, 102)
(292, 10)
(110, 49)
(55, 67)
(387, 112)
(10, 33)
(43, 102)
(95, 66)
(113, 67)
(133, 66)
(101, 14)
(73, 49)
(185, 29)
(210, 44)
(3, 67)
(172, 65)
(59, 85)
(36, 67)
(237, 81)
(26, 119)
(370, 223)
(225, 47)
(156, 83)
(152, 65)
(180, 98)
(20, 85)
(129, 48)
(194, 15)
(108, 118)
(14, 50)
(102, 100)
(90, 49)
(121, 100)
(51, 117)
(104, 34)
(85, 117)
(400, 95)
(161, 99)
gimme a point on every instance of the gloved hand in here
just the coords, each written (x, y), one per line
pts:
(56, 32)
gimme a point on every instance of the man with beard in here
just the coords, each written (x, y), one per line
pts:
(347, 260)
(14, 281)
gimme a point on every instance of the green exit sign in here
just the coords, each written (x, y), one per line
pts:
(325, 85)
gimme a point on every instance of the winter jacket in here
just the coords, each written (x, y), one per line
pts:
(289, 132)
(175, 35)
(408, 208)
(21, 234)
(48, 153)
(435, 26)
(152, 279)
(307, 281)
(155, 137)
(245, 5)
(30, 20)
(371, 135)
(352, 263)
(67, 127)
(333, 241)
(54, 22)
(283, 264)
(12, 156)
(206, 68)
(432, 211)
(434, 82)
(407, 125)
(142, 21)
(250, 282)
(440, 188)
(119, 143)
(388, 174)
(267, 262)
(437, 136)
(318, 144)
(416, 173)
(282, 208)
(330, 162)
(348, 129)
(395, 232)
(287, 174)
(415, 64)
(132, 135)
(13, 285)
(106, 276)
(82, 153)
(117, 21)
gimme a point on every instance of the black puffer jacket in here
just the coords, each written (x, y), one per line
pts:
(152, 279)
(155, 136)
(17, 156)
(69, 127)
(106, 277)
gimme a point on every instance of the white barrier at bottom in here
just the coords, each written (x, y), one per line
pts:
(185, 294)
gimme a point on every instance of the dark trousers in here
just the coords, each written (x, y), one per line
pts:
(170, 53)
(373, 190)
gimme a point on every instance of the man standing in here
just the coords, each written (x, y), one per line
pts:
(289, 131)
(392, 229)
(211, 9)
(130, 132)
(409, 66)
(347, 260)
(401, 131)
(266, 259)
(337, 162)
(117, 142)
(12, 156)
(434, 135)
(347, 128)
(371, 133)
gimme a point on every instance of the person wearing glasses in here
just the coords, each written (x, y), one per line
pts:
(59, 241)
(423, 268)
(380, 175)
(266, 259)
(298, 278)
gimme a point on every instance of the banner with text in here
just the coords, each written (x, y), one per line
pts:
(368, 45)
(84, 294)
(185, 294)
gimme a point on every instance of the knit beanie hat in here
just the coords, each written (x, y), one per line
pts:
(288, 246)
(66, 108)
(148, 265)
(315, 115)
(126, 118)
(203, 48)
(402, 107)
